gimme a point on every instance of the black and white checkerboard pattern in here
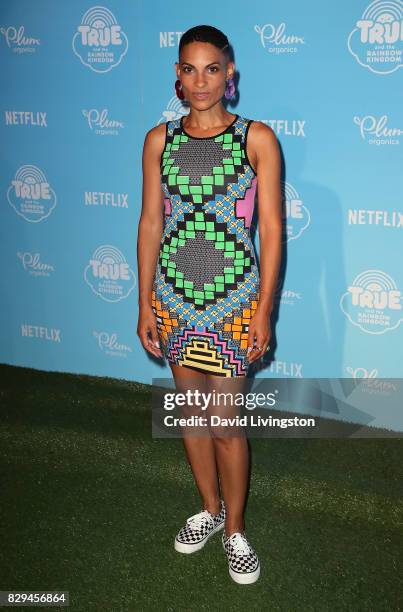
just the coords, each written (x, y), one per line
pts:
(193, 533)
(240, 563)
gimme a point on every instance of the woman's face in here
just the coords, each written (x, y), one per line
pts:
(203, 70)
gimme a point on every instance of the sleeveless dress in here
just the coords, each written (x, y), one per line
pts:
(206, 283)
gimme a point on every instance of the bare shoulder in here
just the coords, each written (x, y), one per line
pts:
(261, 135)
(262, 144)
(154, 140)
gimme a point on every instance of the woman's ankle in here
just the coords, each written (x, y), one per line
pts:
(212, 505)
(238, 527)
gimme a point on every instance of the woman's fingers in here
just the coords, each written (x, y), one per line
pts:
(258, 343)
(148, 338)
(155, 344)
(251, 342)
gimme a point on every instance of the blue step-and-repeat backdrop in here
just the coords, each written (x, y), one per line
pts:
(81, 85)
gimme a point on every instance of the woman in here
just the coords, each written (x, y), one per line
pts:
(202, 302)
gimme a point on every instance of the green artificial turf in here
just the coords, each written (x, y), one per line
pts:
(90, 503)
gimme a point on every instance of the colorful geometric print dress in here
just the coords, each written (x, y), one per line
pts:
(206, 283)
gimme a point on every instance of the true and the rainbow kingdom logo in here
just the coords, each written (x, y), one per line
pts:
(296, 214)
(109, 275)
(376, 41)
(100, 42)
(373, 302)
(31, 195)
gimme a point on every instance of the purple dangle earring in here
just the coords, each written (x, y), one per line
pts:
(178, 89)
(230, 89)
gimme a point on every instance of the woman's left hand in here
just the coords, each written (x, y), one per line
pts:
(259, 334)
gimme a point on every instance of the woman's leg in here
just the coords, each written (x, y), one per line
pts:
(232, 454)
(199, 448)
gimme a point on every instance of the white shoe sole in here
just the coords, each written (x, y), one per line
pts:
(187, 549)
(248, 578)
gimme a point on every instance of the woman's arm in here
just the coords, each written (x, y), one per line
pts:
(265, 157)
(149, 235)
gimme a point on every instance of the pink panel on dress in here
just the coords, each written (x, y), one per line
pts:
(167, 204)
(244, 206)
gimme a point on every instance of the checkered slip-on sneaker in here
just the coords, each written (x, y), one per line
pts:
(243, 563)
(198, 529)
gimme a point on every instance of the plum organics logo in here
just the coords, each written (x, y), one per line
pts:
(32, 264)
(296, 214)
(109, 275)
(362, 372)
(110, 345)
(376, 130)
(276, 40)
(376, 41)
(30, 194)
(367, 381)
(100, 123)
(373, 302)
(100, 42)
(18, 41)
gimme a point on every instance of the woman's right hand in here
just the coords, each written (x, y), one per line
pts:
(146, 327)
